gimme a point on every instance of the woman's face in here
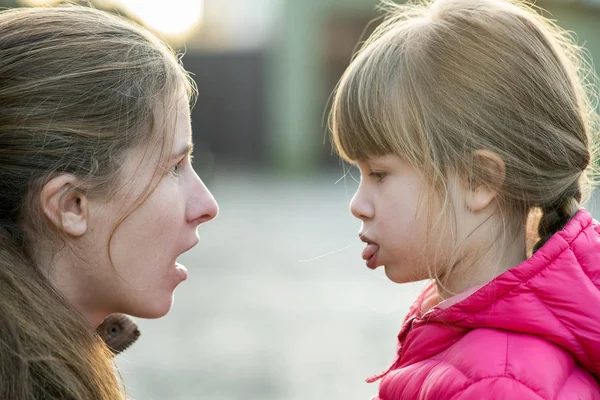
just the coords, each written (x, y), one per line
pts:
(128, 254)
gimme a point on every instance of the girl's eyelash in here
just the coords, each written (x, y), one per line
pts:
(378, 175)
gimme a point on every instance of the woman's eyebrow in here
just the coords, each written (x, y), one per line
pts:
(187, 149)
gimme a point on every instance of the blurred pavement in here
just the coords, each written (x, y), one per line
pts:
(278, 304)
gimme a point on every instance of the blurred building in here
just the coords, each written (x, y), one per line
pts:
(266, 69)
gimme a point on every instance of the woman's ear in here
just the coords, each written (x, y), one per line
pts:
(65, 207)
(489, 172)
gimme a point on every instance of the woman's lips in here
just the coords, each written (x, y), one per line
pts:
(182, 272)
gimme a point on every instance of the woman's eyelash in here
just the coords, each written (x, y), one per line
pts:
(175, 168)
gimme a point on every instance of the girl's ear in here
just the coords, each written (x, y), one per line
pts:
(488, 176)
(66, 208)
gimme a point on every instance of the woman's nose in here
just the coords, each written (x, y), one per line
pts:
(202, 207)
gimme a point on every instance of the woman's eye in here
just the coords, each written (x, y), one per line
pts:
(378, 175)
(176, 168)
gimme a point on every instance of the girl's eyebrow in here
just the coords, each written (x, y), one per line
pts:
(187, 149)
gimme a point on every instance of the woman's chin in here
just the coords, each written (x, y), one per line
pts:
(158, 308)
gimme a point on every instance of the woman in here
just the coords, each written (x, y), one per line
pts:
(98, 197)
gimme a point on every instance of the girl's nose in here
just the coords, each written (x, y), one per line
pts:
(360, 207)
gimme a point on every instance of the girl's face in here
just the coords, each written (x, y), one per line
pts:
(132, 269)
(392, 201)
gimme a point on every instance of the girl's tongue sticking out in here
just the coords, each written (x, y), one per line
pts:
(369, 254)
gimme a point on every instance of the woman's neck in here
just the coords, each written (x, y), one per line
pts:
(61, 268)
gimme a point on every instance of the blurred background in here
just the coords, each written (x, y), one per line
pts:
(278, 304)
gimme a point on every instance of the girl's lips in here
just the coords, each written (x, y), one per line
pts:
(369, 251)
(369, 254)
(373, 262)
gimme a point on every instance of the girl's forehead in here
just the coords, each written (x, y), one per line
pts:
(387, 159)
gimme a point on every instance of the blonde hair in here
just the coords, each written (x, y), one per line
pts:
(440, 80)
(80, 89)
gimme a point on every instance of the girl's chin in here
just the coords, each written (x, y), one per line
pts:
(397, 275)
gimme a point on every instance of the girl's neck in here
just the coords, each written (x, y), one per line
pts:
(492, 257)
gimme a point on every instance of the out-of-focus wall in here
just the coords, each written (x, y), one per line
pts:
(265, 70)
(582, 18)
(316, 38)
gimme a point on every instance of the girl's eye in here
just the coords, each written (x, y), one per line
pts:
(378, 175)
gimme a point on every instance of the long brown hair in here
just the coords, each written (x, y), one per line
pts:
(439, 80)
(79, 90)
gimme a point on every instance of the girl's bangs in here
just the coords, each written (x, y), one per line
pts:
(371, 114)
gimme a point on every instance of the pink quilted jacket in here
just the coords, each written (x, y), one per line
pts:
(531, 333)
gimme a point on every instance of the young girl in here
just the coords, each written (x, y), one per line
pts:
(467, 118)
(97, 194)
